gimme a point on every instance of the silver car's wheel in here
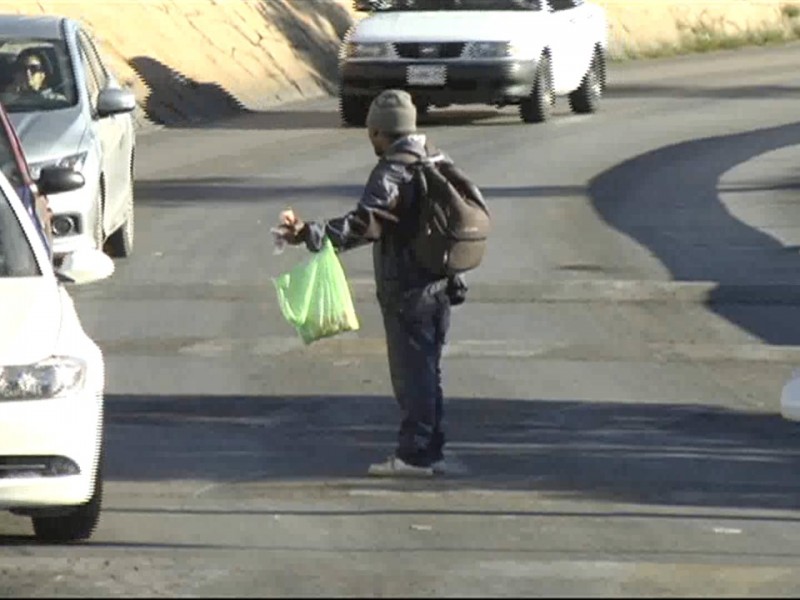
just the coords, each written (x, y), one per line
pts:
(121, 241)
(99, 237)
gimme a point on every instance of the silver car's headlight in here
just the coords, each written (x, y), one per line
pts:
(72, 161)
(492, 50)
(52, 378)
(367, 50)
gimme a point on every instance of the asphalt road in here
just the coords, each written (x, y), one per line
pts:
(613, 381)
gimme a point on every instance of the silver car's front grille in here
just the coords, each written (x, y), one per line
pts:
(429, 50)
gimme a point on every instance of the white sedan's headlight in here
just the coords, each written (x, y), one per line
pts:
(57, 376)
(492, 50)
(367, 50)
(73, 161)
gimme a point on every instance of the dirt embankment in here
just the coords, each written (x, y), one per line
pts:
(199, 59)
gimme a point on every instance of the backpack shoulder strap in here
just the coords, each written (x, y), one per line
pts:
(403, 158)
(409, 158)
(464, 185)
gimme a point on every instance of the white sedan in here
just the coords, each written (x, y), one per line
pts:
(496, 52)
(51, 377)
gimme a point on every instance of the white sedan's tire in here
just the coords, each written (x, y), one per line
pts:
(353, 110)
(538, 107)
(586, 99)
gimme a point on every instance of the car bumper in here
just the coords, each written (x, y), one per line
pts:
(34, 433)
(77, 207)
(466, 82)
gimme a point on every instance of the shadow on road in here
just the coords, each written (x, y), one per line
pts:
(668, 201)
(685, 91)
(366, 512)
(164, 192)
(456, 116)
(291, 119)
(658, 454)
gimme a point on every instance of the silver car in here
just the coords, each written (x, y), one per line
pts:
(69, 110)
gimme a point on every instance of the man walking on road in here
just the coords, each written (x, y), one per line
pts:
(415, 303)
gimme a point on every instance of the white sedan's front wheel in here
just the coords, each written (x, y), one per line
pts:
(586, 99)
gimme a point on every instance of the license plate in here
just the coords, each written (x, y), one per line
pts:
(426, 74)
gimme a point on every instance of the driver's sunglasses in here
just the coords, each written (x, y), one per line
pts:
(33, 68)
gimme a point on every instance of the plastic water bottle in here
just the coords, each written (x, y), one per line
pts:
(280, 243)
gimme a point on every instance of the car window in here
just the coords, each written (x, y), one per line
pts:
(92, 84)
(16, 255)
(562, 4)
(36, 75)
(93, 57)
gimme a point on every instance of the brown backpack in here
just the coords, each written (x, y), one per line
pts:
(453, 219)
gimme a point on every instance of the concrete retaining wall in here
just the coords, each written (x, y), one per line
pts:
(198, 59)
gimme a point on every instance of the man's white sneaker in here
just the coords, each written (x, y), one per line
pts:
(397, 467)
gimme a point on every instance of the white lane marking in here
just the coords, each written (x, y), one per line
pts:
(727, 530)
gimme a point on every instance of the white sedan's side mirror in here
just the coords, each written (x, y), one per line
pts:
(85, 266)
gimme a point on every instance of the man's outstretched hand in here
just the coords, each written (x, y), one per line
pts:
(291, 228)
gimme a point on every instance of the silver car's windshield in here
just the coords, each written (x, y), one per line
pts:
(16, 255)
(36, 75)
(409, 5)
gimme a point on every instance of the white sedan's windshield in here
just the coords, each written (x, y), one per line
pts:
(35, 75)
(16, 255)
(409, 5)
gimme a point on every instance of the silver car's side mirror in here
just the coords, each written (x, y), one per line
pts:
(85, 266)
(113, 101)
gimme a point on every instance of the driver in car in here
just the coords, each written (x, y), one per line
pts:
(32, 75)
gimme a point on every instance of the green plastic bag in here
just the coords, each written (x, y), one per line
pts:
(315, 297)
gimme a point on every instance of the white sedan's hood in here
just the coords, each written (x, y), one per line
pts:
(30, 319)
(443, 26)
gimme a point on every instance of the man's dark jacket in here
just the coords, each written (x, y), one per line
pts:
(385, 215)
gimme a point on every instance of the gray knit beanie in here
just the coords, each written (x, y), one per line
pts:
(393, 111)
